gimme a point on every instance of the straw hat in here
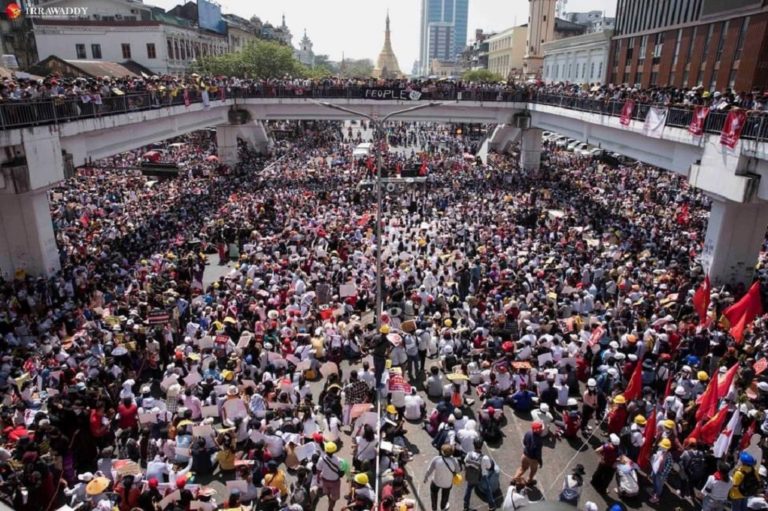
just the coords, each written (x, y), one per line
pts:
(97, 486)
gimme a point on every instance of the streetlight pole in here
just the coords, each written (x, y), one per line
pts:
(378, 127)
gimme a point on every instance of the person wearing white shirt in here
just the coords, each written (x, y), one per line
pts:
(467, 436)
(193, 404)
(414, 406)
(440, 473)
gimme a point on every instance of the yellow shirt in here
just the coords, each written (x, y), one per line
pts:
(277, 480)
(226, 459)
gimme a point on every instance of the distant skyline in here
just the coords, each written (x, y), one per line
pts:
(356, 28)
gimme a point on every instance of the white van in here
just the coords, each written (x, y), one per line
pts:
(362, 150)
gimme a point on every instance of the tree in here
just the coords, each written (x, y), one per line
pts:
(322, 62)
(351, 68)
(481, 75)
(260, 59)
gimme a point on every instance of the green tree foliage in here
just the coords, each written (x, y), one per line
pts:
(260, 59)
(481, 75)
(351, 68)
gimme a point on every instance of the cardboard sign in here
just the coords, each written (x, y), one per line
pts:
(192, 379)
(522, 365)
(346, 290)
(244, 340)
(359, 409)
(147, 418)
(206, 342)
(370, 418)
(174, 378)
(305, 451)
(202, 431)
(210, 411)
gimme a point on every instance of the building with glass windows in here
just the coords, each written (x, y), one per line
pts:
(443, 31)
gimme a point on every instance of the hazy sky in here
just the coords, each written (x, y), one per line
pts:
(356, 27)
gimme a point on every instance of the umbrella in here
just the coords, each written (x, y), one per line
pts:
(457, 377)
(152, 156)
(97, 486)
(119, 351)
(212, 157)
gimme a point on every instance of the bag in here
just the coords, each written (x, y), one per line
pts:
(750, 484)
(440, 438)
(473, 470)
(457, 479)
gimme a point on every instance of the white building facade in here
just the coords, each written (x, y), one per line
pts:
(121, 30)
(581, 59)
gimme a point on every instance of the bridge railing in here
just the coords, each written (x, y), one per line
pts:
(19, 114)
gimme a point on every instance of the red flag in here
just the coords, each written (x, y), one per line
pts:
(697, 121)
(369, 163)
(708, 432)
(734, 123)
(683, 216)
(701, 299)
(745, 310)
(635, 386)
(707, 401)
(626, 112)
(649, 439)
(747, 438)
(737, 330)
(668, 389)
(724, 383)
(84, 220)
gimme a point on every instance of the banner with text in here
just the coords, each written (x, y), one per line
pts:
(391, 93)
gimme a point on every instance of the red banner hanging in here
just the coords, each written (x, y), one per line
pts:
(697, 121)
(734, 123)
(626, 112)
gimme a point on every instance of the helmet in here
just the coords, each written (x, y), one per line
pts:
(448, 323)
(544, 407)
(679, 390)
(702, 376)
(491, 410)
(615, 440)
(384, 329)
(747, 459)
(591, 382)
(620, 400)
(361, 478)
(572, 401)
(668, 423)
(391, 409)
(331, 447)
(665, 444)
(537, 427)
(640, 420)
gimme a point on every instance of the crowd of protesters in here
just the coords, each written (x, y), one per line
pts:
(567, 301)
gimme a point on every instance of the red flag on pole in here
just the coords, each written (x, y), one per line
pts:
(697, 121)
(707, 401)
(708, 432)
(724, 383)
(644, 457)
(626, 112)
(734, 123)
(701, 299)
(737, 330)
(635, 386)
(746, 439)
(744, 311)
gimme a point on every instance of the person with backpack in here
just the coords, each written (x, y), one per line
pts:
(446, 435)
(329, 468)
(572, 486)
(745, 482)
(693, 468)
(478, 468)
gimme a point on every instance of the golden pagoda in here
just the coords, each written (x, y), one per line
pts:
(386, 65)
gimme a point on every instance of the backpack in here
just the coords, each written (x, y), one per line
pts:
(750, 484)
(473, 468)
(441, 437)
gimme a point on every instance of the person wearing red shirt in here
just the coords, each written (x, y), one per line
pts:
(99, 425)
(617, 416)
(128, 414)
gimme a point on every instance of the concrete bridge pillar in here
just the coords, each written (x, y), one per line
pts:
(28, 170)
(530, 149)
(226, 140)
(735, 235)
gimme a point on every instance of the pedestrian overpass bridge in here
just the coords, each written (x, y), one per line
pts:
(35, 157)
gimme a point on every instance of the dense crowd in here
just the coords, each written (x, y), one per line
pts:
(559, 301)
(94, 92)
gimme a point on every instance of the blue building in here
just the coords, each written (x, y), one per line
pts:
(443, 31)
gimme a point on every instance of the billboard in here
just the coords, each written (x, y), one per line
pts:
(209, 17)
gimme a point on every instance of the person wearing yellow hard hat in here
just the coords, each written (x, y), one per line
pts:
(330, 474)
(617, 416)
(363, 496)
(661, 465)
(636, 436)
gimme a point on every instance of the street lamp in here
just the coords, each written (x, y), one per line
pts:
(378, 126)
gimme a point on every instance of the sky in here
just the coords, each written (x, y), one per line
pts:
(356, 27)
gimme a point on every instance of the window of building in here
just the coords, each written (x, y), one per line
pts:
(643, 49)
(176, 51)
(658, 47)
(126, 47)
(721, 43)
(183, 51)
(654, 77)
(151, 54)
(96, 51)
(732, 77)
(639, 79)
(592, 71)
(685, 78)
(700, 76)
(630, 49)
(599, 70)
(170, 48)
(583, 69)
(80, 51)
(713, 82)
(690, 46)
(677, 46)
(707, 42)
(742, 36)
(672, 77)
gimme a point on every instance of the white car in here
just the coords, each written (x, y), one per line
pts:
(585, 150)
(573, 145)
(563, 142)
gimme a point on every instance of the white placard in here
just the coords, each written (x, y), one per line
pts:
(192, 379)
(174, 378)
(205, 342)
(369, 418)
(544, 358)
(210, 411)
(346, 290)
(305, 451)
(148, 418)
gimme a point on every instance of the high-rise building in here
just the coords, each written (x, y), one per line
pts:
(443, 31)
(715, 44)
